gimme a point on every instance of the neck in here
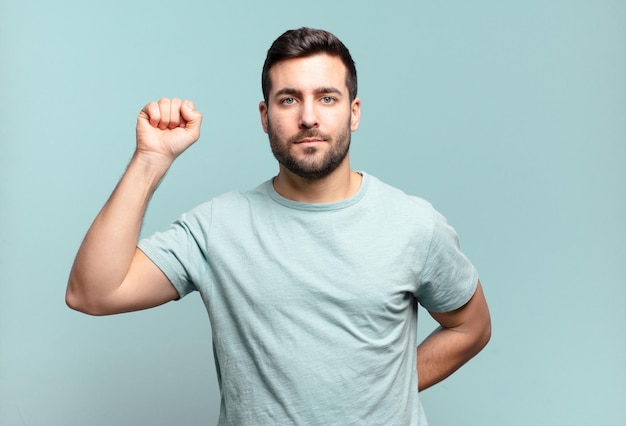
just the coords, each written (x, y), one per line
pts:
(339, 185)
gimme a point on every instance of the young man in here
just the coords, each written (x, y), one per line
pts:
(312, 279)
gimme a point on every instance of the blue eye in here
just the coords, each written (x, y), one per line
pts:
(288, 101)
(328, 99)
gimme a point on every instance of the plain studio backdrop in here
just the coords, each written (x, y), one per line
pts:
(510, 117)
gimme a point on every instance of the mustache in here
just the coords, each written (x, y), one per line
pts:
(309, 134)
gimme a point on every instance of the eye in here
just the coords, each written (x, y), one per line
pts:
(288, 101)
(328, 100)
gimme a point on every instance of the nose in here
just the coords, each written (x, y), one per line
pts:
(308, 116)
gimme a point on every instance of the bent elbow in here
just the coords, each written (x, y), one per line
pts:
(485, 335)
(76, 302)
(73, 302)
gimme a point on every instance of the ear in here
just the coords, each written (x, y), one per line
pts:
(355, 114)
(263, 113)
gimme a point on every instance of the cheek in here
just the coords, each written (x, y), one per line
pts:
(278, 125)
(339, 123)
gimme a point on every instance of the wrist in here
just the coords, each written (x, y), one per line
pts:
(148, 167)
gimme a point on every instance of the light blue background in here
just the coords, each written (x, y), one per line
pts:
(509, 116)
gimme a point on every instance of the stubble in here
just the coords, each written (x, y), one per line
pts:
(311, 166)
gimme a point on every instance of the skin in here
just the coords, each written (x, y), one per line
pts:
(110, 275)
(461, 334)
(309, 117)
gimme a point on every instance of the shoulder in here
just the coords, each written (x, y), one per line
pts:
(230, 203)
(398, 200)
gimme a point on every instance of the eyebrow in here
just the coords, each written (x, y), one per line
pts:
(319, 90)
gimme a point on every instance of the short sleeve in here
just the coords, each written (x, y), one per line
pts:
(448, 279)
(180, 251)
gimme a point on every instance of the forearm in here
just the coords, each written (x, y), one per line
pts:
(442, 353)
(106, 253)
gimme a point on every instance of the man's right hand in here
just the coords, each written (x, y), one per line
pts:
(166, 128)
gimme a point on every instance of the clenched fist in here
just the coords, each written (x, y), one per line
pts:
(166, 128)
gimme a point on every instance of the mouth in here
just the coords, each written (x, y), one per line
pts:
(309, 141)
(310, 137)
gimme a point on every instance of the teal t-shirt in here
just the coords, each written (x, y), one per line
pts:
(313, 307)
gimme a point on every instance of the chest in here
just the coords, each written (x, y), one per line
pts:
(343, 269)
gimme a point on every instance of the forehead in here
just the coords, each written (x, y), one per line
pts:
(309, 73)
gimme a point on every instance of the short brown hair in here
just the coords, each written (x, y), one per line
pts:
(305, 42)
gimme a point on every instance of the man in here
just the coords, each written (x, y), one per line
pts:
(312, 279)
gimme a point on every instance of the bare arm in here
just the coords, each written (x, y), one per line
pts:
(461, 335)
(110, 275)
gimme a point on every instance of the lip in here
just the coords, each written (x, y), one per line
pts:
(309, 140)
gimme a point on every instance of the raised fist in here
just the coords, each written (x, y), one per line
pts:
(166, 128)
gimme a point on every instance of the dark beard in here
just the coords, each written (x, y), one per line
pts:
(308, 169)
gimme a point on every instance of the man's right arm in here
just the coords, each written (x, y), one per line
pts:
(110, 274)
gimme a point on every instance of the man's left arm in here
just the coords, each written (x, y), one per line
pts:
(461, 335)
